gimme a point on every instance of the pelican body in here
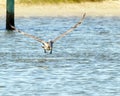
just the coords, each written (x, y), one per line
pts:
(48, 46)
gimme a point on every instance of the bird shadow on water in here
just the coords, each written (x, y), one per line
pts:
(45, 58)
(40, 62)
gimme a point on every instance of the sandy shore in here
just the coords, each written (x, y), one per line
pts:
(106, 8)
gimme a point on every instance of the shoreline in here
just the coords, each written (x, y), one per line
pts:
(105, 8)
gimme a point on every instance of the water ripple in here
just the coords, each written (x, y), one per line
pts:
(84, 63)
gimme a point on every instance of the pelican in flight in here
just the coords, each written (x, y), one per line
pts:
(48, 46)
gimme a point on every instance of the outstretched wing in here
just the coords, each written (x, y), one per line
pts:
(70, 30)
(29, 35)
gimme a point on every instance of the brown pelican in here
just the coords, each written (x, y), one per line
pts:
(48, 46)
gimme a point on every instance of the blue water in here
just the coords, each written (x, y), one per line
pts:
(84, 63)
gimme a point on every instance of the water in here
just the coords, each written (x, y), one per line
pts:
(84, 63)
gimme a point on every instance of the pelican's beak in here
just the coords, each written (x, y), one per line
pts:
(51, 46)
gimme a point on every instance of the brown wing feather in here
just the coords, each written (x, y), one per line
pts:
(70, 30)
(29, 35)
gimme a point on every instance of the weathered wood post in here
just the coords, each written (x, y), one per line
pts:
(9, 14)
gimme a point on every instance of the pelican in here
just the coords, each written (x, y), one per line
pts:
(48, 46)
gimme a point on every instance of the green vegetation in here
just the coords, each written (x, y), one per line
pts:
(55, 1)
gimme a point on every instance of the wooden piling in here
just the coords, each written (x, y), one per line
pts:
(10, 14)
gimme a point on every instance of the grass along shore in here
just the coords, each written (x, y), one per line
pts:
(105, 8)
(54, 1)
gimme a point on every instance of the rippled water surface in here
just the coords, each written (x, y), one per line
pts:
(84, 63)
